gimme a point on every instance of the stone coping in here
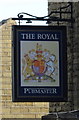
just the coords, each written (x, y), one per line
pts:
(71, 115)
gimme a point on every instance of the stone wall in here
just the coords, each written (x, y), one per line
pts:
(9, 109)
(0, 72)
(76, 55)
(72, 59)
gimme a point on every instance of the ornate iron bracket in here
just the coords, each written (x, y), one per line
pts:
(54, 16)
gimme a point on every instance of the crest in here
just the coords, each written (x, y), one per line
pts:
(39, 65)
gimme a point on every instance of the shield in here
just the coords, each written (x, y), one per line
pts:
(39, 67)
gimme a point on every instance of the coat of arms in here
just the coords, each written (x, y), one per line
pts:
(39, 64)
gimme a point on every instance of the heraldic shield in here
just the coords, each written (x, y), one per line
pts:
(40, 65)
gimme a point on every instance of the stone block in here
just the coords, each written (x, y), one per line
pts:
(34, 110)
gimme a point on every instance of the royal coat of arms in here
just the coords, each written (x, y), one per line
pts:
(39, 65)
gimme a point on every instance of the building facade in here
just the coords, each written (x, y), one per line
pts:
(9, 109)
(72, 57)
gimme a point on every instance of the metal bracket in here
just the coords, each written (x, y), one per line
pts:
(54, 16)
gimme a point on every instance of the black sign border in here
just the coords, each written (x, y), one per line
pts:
(15, 68)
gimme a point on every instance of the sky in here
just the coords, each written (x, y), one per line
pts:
(10, 8)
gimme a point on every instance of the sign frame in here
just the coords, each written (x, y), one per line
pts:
(29, 36)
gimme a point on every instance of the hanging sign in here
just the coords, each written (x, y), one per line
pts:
(39, 63)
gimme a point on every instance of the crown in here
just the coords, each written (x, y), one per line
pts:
(39, 50)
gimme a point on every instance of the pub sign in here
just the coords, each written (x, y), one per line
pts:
(39, 64)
